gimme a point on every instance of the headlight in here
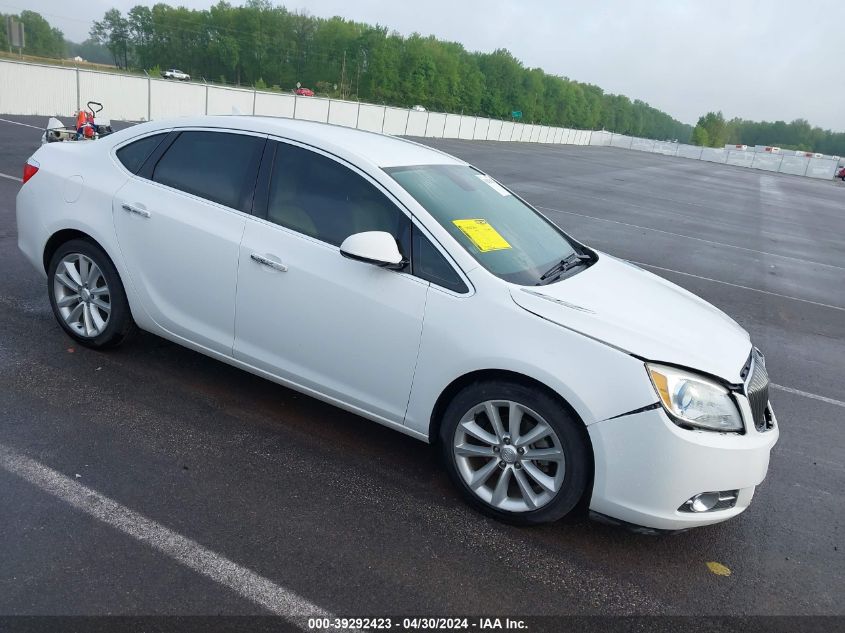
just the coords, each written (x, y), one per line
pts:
(694, 400)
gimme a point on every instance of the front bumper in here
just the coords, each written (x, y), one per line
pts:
(647, 467)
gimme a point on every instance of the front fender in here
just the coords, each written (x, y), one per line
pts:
(488, 331)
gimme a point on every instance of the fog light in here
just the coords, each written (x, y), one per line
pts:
(709, 501)
(703, 502)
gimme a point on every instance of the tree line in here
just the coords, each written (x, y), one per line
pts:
(269, 46)
(43, 40)
(714, 131)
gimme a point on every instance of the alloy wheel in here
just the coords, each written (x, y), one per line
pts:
(82, 295)
(509, 456)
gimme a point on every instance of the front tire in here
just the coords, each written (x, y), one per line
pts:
(515, 452)
(87, 295)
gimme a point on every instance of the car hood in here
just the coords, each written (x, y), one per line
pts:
(621, 305)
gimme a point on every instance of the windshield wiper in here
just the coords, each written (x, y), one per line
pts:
(573, 259)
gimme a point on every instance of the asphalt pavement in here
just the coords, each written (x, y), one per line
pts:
(355, 519)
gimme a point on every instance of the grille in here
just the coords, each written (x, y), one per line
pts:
(757, 389)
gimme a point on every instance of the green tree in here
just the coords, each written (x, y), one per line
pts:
(40, 38)
(113, 32)
(700, 136)
(717, 130)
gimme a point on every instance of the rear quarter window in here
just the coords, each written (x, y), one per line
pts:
(133, 155)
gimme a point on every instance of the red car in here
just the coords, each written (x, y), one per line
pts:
(841, 174)
(305, 92)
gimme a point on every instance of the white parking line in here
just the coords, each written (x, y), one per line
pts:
(807, 394)
(220, 569)
(10, 177)
(728, 283)
(35, 127)
(697, 239)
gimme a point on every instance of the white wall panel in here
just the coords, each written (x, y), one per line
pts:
(451, 126)
(767, 162)
(274, 104)
(343, 113)
(33, 89)
(714, 155)
(795, 165)
(230, 100)
(663, 147)
(467, 127)
(312, 109)
(395, 121)
(371, 117)
(436, 123)
(494, 129)
(821, 168)
(740, 159)
(173, 99)
(482, 126)
(642, 144)
(545, 132)
(416, 123)
(690, 151)
(506, 131)
(124, 97)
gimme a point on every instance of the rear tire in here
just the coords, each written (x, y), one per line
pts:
(87, 295)
(515, 452)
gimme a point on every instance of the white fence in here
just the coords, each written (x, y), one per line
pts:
(37, 89)
(783, 163)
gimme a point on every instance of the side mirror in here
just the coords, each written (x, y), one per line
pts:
(373, 247)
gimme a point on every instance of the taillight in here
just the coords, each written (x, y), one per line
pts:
(30, 168)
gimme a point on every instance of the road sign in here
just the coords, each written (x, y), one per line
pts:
(298, 85)
(15, 32)
(516, 114)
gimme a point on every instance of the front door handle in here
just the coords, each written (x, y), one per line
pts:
(264, 261)
(142, 212)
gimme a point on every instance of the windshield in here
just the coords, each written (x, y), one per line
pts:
(502, 233)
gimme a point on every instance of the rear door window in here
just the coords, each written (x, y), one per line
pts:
(218, 166)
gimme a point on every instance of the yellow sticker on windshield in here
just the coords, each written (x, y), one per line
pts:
(484, 236)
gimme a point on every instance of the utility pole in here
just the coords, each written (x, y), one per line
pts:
(343, 75)
(357, 78)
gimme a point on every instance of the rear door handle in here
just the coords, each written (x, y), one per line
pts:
(264, 261)
(137, 210)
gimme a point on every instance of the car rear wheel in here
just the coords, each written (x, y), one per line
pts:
(87, 296)
(515, 452)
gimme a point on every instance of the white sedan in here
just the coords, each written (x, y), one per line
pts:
(406, 286)
(175, 73)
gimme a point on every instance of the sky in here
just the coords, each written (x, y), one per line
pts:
(755, 59)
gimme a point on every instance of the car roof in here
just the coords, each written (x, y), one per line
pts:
(351, 144)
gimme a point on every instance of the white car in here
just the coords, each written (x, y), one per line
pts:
(418, 108)
(175, 73)
(406, 286)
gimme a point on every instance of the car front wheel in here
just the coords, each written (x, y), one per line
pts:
(515, 452)
(87, 296)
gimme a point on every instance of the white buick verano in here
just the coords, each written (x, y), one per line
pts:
(406, 286)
